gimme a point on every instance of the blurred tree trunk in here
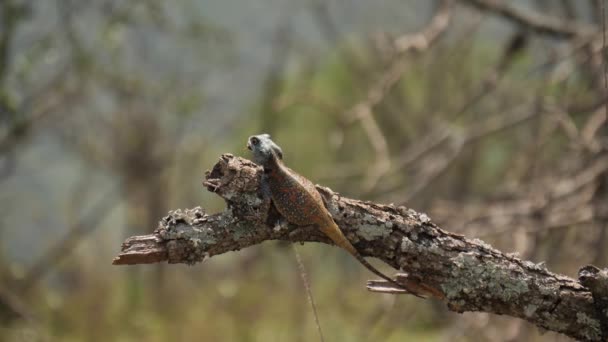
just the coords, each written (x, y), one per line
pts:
(600, 199)
(144, 200)
(141, 159)
(11, 15)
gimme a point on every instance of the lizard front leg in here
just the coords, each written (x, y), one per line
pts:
(266, 206)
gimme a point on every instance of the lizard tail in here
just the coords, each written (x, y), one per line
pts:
(375, 271)
(335, 234)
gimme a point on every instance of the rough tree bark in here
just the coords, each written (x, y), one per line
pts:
(467, 274)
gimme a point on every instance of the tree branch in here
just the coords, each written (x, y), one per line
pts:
(467, 274)
(539, 23)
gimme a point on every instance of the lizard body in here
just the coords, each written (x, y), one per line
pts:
(297, 199)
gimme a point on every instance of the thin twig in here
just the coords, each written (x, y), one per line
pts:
(537, 22)
(311, 299)
(363, 111)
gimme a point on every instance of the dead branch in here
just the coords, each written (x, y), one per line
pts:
(363, 111)
(539, 23)
(467, 274)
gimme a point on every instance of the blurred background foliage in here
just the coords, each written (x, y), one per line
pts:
(111, 111)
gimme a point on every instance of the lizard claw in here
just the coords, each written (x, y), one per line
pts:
(212, 184)
(281, 224)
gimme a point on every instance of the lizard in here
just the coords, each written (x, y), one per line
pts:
(297, 199)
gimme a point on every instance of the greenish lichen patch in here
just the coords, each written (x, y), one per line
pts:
(472, 276)
(424, 218)
(435, 249)
(594, 332)
(190, 225)
(548, 290)
(407, 245)
(372, 232)
(550, 323)
(482, 244)
(241, 231)
(255, 200)
(203, 237)
(529, 310)
(368, 218)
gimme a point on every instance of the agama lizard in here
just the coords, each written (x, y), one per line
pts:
(297, 199)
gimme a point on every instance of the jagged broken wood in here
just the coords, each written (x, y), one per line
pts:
(467, 274)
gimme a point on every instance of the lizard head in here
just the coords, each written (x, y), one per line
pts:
(264, 149)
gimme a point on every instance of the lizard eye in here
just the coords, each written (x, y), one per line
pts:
(255, 141)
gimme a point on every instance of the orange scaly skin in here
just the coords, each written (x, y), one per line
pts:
(299, 202)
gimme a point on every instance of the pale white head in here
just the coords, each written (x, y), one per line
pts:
(264, 149)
